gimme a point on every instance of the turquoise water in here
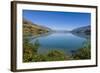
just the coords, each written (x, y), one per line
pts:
(66, 42)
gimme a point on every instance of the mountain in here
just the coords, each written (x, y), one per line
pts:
(30, 28)
(83, 30)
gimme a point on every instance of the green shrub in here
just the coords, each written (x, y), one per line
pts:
(29, 50)
(83, 53)
(31, 55)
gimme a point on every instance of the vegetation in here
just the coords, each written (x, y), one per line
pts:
(30, 29)
(31, 55)
(84, 52)
(30, 50)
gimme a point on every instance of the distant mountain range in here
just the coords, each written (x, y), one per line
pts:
(86, 30)
(30, 28)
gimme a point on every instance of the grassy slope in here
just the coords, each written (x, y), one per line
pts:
(30, 28)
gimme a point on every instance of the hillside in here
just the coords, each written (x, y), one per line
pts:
(85, 30)
(30, 28)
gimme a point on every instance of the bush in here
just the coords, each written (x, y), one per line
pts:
(29, 50)
(31, 55)
(83, 53)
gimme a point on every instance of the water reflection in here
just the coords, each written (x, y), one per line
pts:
(82, 35)
(68, 44)
(59, 41)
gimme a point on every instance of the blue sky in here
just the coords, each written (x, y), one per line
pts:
(58, 20)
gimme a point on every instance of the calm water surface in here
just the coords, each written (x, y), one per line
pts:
(66, 42)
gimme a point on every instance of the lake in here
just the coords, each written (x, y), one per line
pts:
(66, 42)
